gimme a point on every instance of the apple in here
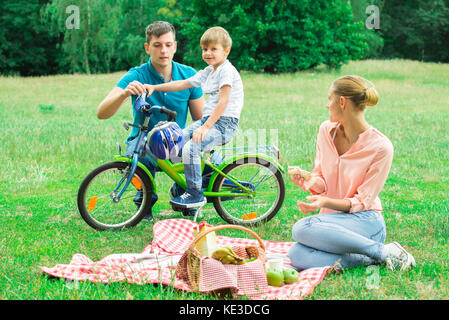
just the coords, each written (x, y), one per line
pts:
(290, 275)
(275, 277)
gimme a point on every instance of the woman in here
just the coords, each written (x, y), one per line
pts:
(352, 163)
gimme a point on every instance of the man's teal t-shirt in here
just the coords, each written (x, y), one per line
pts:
(176, 101)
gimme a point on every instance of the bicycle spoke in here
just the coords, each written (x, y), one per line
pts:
(259, 178)
(100, 205)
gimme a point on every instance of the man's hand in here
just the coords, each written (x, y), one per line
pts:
(199, 134)
(136, 88)
(317, 202)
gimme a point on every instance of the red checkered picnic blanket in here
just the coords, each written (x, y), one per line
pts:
(157, 262)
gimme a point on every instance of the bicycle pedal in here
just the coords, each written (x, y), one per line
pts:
(189, 212)
(178, 209)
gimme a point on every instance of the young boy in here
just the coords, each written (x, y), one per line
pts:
(221, 113)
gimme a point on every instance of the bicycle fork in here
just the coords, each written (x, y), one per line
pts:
(129, 176)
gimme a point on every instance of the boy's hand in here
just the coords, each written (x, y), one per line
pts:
(317, 202)
(199, 134)
(149, 88)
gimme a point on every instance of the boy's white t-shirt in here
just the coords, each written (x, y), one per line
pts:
(211, 82)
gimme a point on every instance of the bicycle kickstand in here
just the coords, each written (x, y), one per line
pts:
(197, 213)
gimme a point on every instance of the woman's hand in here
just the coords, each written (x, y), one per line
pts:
(317, 202)
(199, 134)
(299, 176)
(298, 180)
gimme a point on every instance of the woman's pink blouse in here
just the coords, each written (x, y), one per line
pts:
(357, 175)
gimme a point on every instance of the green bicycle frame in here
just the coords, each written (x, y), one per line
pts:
(175, 170)
(236, 158)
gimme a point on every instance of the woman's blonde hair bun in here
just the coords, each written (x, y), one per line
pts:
(371, 96)
(357, 89)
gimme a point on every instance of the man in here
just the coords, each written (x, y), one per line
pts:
(161, 46)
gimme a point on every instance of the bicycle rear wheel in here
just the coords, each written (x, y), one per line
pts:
(96, 193)
(258, 175)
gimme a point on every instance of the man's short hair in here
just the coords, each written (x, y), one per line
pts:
(216, 35)
(158, 28)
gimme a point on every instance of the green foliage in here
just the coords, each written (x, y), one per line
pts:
(26, 47)
(270, 36)
(111, 33)
(176, 12)
(280, 35)
(416, 29)
(373, 37)
(136, 16)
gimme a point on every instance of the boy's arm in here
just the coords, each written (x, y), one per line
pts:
(177, 85)
(223, 98)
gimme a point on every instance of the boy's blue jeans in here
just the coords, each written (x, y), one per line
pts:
(338, 239)
(220, 133)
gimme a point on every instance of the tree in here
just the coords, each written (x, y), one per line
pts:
(26, 45)
(416, 29)
(111, 34)
(279, 35)
(88, 46)
(137, 15)
(372, 34)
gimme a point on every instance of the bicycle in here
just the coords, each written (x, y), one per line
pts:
(246, 188)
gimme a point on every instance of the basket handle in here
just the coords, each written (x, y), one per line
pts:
(227, 226)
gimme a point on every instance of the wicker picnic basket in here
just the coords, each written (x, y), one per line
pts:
(189, 266)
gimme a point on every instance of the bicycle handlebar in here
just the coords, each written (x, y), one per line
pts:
(171, 114)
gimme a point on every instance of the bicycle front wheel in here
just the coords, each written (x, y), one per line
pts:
(258, 175)
(97, 192)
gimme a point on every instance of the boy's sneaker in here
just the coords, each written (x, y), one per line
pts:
(189, 200)
(175, 191)
(396, 257)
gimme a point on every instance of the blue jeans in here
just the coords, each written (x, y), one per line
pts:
(338, 239)
(220, 133)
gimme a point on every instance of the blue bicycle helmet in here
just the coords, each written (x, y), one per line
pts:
(167, 142)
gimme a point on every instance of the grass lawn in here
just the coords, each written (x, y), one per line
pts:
(51, 139)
